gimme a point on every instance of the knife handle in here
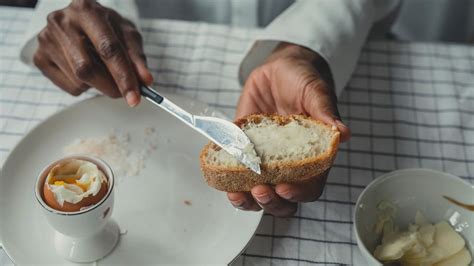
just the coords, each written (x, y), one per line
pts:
(151, 94)
(167, 105)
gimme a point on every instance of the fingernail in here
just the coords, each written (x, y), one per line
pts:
(152, 79)
(340, 124)
(263, 199)
(285, 194)
(237, 203)
(132, 98)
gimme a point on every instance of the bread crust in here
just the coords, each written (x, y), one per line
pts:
(240, 178)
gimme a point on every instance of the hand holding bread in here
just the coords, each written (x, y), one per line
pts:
(294, 80)
(292, 149)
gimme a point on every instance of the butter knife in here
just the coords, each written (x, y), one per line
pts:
(224, 133)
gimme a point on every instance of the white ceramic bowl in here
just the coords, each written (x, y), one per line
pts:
(412, 190)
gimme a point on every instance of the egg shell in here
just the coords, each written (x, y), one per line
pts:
(48, 197)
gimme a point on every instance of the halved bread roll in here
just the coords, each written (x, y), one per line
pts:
(292, 149)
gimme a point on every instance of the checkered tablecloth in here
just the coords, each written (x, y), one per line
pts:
(407, 104)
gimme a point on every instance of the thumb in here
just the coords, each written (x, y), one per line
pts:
(139, 63)
(247, 104)
(320, 102)
(254, 97)
(134, 45)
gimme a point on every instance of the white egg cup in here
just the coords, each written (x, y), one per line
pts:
(87, 235)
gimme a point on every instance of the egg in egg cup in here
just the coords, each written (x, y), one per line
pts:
(78, 208)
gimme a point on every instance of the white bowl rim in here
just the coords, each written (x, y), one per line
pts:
(381, 179)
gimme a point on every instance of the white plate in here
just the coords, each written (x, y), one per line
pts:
(160, 227)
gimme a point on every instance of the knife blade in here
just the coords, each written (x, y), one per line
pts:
(224, 133)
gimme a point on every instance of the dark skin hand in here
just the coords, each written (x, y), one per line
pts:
(293, 80)
(87, 45)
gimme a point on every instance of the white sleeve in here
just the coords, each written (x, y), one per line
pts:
(127, 9)
(335, 29)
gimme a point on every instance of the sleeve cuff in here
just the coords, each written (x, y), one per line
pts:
(335, 29)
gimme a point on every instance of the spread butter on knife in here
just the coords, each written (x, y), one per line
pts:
(224, 133)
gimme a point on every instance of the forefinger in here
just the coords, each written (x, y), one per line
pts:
(112, 52)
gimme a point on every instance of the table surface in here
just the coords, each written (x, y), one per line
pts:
(408, 105)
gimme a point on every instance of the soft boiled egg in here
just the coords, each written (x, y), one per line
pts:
(73, 185)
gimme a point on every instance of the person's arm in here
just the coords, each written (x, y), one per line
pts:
(289, 71)
(334, 29)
